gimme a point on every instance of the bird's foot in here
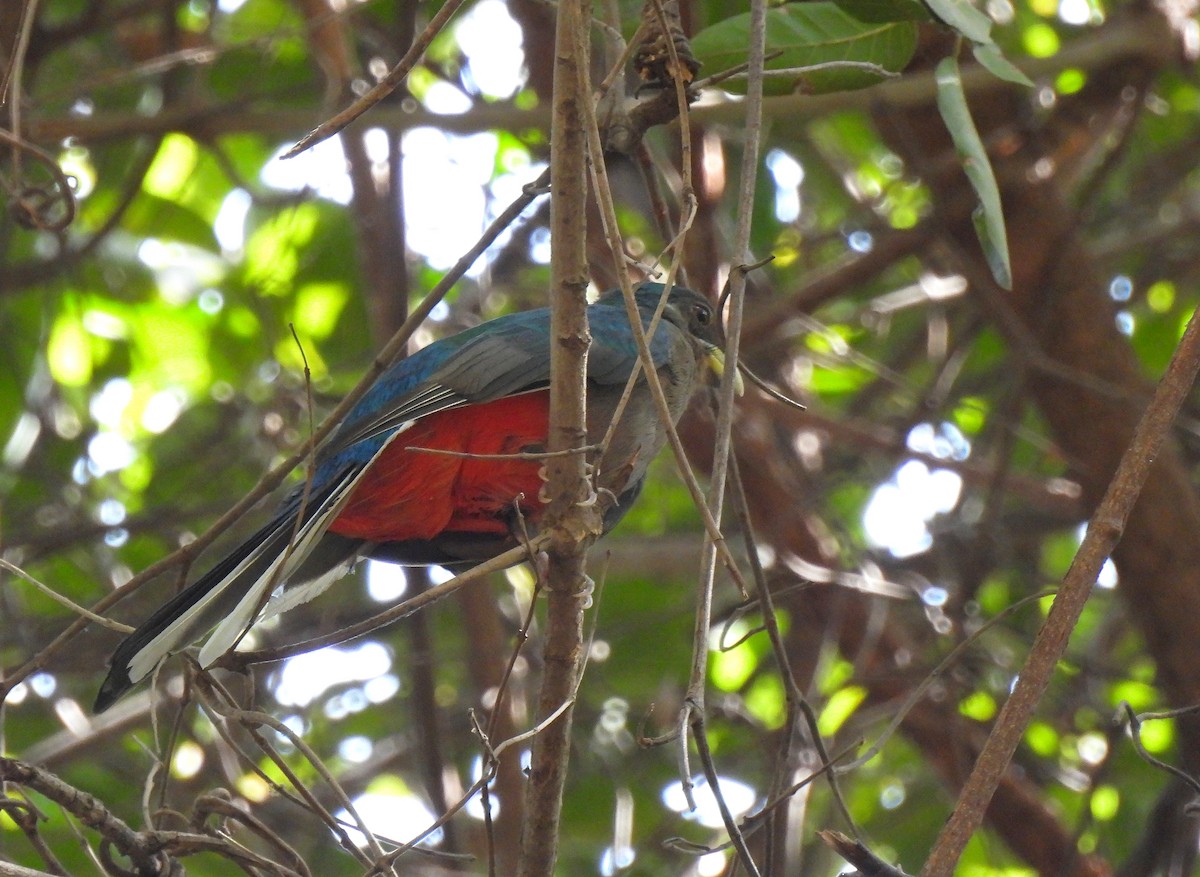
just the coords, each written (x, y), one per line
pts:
(589, 499)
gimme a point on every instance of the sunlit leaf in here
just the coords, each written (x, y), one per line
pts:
(1139, 695)
(1106, 803)
(766, 700)
(168, 219)
(171, 348)
(69, 351)
(839, 708)
(1041, 40)
(273, 249)
(1158, 736)
(1042, 739)
(172, 167)
(318, 306)
(979, 705)
(730, 669)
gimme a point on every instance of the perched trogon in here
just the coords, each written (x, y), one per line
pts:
(478, 393)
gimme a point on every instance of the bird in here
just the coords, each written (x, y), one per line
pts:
(375, 492)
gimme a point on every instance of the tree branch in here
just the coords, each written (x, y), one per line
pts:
(570, 524)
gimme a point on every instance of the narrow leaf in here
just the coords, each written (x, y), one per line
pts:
(989, 215)
(964, 18)
(990, 56)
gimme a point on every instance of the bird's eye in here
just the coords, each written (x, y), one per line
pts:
(703, 314)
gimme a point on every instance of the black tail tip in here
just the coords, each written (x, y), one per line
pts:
(115, 685)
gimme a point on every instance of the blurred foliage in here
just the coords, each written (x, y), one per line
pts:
(152, 368)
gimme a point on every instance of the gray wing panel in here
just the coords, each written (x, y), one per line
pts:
(497, 364)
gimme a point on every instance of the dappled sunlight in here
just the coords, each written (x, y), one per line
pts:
(738, 797)
(304, 678)
(898, 515)
(396, 814)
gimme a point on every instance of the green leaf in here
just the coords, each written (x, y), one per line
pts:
(839, 708)
(990, 56)
(989, 215)
(804, 35)
(166, 219)
(69, 351)
(886, 10)
(964, 18)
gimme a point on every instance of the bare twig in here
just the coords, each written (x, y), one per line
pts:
(645, 361)
(63, 600)
(857, 854)
(533, 456)
(1135, 720)
(694, 702)
(138, 846)
(384, 87)
(1104, 531)
(239, 660)
(710, 773)
(31, 204)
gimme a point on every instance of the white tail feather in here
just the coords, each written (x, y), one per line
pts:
(295, 596)
(231, 628)
(167, 640)
(232, 625)
(236, 622)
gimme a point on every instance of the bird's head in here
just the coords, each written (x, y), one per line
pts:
(696, 315)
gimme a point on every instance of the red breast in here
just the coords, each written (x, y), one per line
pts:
(411, 495)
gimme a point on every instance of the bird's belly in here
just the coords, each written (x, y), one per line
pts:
(410, 495)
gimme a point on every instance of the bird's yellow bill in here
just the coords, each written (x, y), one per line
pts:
(716, 361)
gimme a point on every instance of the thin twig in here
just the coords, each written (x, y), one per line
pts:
(1103, 533)
(856, 853)
(694, 701)
(645, 360)
(63, 600)
(1134, 721)
(533, 456)
(797, 704)
(570, 524)
(385, 86)
(918, 694)
(486, 777)
(29, 203)
(240, 660)
(89, 810)
(777, 72)
(710, 773)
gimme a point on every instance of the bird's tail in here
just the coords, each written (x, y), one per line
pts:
(234, 592)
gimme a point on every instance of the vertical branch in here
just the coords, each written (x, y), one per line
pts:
(569, 524)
